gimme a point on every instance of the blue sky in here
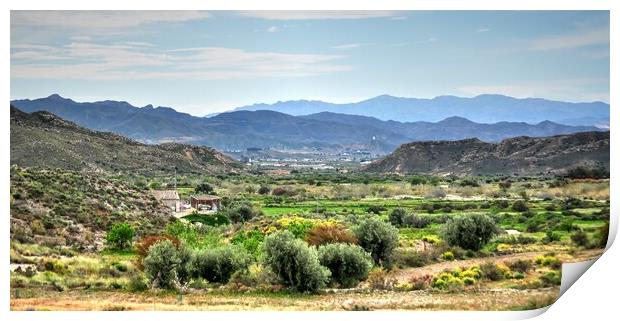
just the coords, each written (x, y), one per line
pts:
(205, 62)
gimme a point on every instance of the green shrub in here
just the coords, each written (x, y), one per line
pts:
(448, 256)
(137, 283)
(375, 209)
(520, 265)
(551, 278)
(491, 271)
(470, 232)
(250, 240)
(520, 206)
(120, 236)
(217, 265)
(348, 264)
(447, 281)
(296, 264)
(471, 182)
(378, 238)
(121, 267)
(580, 238)
(431, 239)
(184, 270)
(551, 236)
(417, 180)
(415, 221)
(469, 280)
(549, 261)
(55, 266)
(240, 212)
(264, 190)
(161, 265)
(397, 217)
(404, 257)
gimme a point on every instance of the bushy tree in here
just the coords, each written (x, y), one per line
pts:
(264, 190)
(240, 211)
(120, 236)
(161, 265)
(294, 262)
(185, 269)
(520, 206)
(417, 180)
(397, 217)
(348, 264)
(470, 232)
(378, 238)
(204, 188)
(218, 264)
(415, 220)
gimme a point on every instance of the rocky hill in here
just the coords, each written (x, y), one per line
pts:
(57, 207)
(42, 139)
(520, 155)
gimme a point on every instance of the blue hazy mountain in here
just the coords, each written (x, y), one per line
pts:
(267, 128)
(481, 109)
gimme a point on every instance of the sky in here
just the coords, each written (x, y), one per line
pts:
(205, 62)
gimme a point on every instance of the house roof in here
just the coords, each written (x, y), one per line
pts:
(205, 197)
(166, 195)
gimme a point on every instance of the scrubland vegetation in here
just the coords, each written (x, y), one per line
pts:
(303, 241)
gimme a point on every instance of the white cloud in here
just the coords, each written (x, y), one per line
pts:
(583, 39)
(481, 30)
(273, 29)
(315, 14)
(100, 19)
(566, 90)
(136, 61)
(347, 46)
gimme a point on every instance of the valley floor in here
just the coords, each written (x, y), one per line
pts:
(497, 297)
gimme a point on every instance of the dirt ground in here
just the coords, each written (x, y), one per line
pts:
(501, 299)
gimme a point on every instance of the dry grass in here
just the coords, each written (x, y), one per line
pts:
(497, 299)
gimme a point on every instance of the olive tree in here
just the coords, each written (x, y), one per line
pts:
(349, 264)
(470, 232)
(294, 262)
(378, 238)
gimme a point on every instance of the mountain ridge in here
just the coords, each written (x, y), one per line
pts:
(518, 155)
(238, 130)
(42, 139)
(485, 108)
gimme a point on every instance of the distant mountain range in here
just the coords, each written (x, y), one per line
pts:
(519, 155)
(42, 139)
(325, 130)
(481, 109)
